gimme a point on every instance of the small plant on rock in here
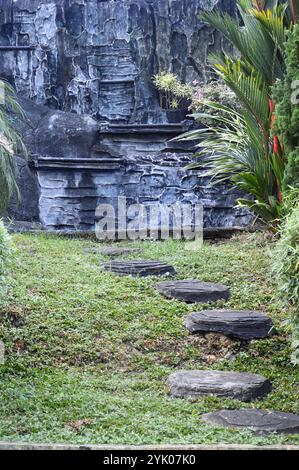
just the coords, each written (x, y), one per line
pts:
(173, 93)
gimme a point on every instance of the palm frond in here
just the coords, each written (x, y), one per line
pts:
(238, 148)
(273, 21)
(233, 151)
(250, 90)
(252, 36)
(10, 145)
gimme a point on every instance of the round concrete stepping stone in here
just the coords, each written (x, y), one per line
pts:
(244, 325)
(140, 268)
(260, 421)
(195, 383)
(118, 251)
(191, 290)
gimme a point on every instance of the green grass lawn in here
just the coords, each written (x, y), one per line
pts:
(87, 353)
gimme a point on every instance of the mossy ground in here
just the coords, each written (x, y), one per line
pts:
(87, 353)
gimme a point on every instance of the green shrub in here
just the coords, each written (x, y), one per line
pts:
(173, 93)
(6, 253)
(286, 265)
(195, 95)
(287, 109)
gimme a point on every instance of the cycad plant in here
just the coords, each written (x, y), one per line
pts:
(10, 144)
(242, 148)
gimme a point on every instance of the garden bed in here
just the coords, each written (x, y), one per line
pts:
(88, 352)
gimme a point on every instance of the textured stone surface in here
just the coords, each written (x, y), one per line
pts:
(191, 290)
(72, 173)
(27, 208)
(195, 383)
(240, 324)
(140, 268)
(98, 57)
(118, 251)
(95, 128)
(260, 421)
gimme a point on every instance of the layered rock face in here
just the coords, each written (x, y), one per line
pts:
(95, 129)
(98, 57)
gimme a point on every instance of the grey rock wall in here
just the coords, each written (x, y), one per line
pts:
(69, 197)
(98, 57)
(94, 127)
(81, 163)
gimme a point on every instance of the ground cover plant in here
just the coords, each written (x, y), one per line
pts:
(87, 353)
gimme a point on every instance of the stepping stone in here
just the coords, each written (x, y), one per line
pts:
(191, 290)
(244, 325)
(118, 251)
(195, 383)
(140, 268)
(260, 421)
(91, 250)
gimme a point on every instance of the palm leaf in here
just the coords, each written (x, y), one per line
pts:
(10, 145)
(233, 151)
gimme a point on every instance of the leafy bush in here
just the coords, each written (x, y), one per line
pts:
(286, 265)
(287, 109)
(173, 93)
(195, 95)
(216, 92)
(6, 253)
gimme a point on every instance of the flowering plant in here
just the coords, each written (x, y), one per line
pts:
(194, 96)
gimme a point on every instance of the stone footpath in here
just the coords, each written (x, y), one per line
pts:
(236, 324)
